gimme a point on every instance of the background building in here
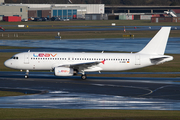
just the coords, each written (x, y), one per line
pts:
(64, 11)
(1, 1)
(10, 10)
(86, 11)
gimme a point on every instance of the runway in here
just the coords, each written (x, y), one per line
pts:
(93, 93)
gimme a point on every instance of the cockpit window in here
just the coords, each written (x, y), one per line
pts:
(14, 57)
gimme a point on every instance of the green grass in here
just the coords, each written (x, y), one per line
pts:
(74, 114)
(9, 93)
(14, 47)
(81, 35)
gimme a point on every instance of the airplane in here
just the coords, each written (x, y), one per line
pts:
(72, 63)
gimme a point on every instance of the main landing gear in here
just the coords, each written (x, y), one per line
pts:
(83, 76)
(27, 74)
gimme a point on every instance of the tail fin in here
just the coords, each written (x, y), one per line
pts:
(157, 45)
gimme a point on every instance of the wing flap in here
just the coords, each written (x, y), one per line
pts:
(87, 66)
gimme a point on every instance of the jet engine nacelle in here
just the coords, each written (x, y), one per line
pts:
(63, 71)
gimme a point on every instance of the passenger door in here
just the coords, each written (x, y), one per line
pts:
(26, 58)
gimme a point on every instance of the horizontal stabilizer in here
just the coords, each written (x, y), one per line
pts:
(158, 60)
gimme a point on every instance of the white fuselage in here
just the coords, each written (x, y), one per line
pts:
(50, 60)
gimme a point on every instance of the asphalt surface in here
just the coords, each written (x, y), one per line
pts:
(164, 88)
(99, 89)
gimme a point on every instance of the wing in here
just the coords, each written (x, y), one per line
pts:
(87, 66)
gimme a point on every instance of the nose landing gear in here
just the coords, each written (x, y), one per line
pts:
(83, 76)
(27, 74)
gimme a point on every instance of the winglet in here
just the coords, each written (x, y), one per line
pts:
(103, 61)
(157, 45)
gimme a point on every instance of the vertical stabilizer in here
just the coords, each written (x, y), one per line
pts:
(157, 45)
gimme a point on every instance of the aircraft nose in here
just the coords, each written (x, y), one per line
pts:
(7, 63)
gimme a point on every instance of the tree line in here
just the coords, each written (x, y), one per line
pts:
(106, 2)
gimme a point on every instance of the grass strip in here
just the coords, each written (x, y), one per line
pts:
(136, 75)
(9, 93)
(80, 35)
(14, 47)
(74, 114)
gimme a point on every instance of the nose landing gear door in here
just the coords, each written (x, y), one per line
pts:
(26, 58)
